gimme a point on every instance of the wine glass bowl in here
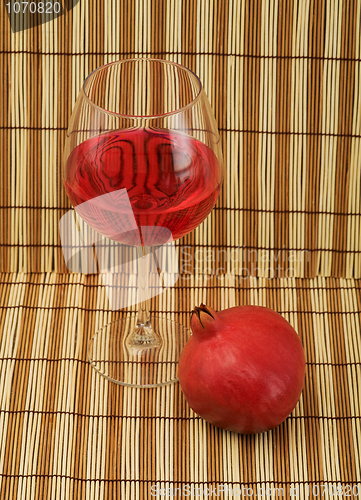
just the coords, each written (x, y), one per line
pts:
(142, 167)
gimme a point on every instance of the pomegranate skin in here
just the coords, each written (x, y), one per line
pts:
(243, 369)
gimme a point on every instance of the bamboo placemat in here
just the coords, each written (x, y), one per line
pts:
(283, 78)
(65, 432)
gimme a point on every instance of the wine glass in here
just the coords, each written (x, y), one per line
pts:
(143, 167)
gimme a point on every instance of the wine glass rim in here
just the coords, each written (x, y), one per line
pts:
(160, 115)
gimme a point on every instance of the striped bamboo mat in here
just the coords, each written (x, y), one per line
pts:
(283, 78)
(65, 432)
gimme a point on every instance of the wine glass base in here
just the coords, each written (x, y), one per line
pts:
(112, 357)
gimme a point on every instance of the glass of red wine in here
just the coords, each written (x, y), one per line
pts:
(143, 167)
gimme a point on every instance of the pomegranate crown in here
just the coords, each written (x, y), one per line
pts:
(203, 318)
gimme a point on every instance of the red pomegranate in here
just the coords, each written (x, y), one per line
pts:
(243, 368)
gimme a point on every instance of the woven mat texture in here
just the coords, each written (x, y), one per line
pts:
(283, 79)
(66, 432)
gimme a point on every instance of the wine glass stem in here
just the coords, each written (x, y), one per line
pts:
(143, 336)
(143, 317)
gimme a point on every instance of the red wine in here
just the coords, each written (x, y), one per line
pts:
(172, 182)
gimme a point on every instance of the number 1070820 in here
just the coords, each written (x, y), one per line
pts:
(34, 7)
